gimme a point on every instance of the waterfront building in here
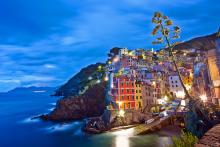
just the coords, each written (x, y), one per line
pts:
(138, 95)
(123, 92)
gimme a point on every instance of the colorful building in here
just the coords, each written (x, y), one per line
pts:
(148, 99)
(123, 92)
(138, 96)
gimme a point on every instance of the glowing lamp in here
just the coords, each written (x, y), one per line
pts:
(116, 59)
(121, 113)
(106, 78)
(203, 97)
(119, 103)
(165, 98)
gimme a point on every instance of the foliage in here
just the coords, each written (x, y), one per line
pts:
(163, 28)
(166, 33)
(186, 139)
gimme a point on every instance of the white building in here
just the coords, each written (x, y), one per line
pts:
(123, 52)
(175, 86)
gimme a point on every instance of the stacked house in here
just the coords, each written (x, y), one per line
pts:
(142, 78)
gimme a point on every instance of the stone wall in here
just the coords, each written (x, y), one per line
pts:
(211, 138)
(130, 117)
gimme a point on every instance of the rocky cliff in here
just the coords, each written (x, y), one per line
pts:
(79, 81)
(89, 104)
(84, 95)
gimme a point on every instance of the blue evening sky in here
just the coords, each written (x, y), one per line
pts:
(44, 42)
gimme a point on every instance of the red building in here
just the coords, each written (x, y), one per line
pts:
(123, 92)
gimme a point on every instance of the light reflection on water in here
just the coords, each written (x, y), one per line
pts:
(122, 137)
(126, 138)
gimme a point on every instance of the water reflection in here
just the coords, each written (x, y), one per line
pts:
(122, 138)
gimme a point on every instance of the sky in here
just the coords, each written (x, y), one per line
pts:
(45, 42)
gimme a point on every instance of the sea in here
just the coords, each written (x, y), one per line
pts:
(18, 129)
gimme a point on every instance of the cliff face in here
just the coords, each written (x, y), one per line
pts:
(83, 96)
(79, 81)
(90, 104)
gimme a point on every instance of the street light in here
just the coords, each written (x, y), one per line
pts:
(203, 97)
(154, 83)
(119, 104)
(106, 78)
(121, 113)
(116, 59)
(165, 98)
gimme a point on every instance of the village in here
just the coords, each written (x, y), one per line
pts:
(142, 79)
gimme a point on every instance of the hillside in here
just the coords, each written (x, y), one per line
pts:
(201, 43)
(89, 104)
(33, 90)
(80, 81)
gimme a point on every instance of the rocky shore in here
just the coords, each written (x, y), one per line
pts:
(90, 104)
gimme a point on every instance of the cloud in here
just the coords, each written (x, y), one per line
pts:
(49, 66)
(46, 43)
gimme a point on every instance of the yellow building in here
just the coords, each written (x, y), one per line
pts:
(188, 81)
(138, 96)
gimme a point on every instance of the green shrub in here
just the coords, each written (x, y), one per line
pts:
(186, 139)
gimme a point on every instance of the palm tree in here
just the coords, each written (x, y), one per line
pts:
(166, 32)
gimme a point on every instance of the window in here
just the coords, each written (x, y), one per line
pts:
(136, 91)
(139, 91)
(122, 97)
(140, 97)
(122, 90)
(127, 90)
(127, 97)
(132, 90)
(172, 85)
(136, 97)
(129, 105)
(176, 85)
(139, 104)
(132, 97)
(176, 81)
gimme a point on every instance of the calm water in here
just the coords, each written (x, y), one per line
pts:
(18, 130)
